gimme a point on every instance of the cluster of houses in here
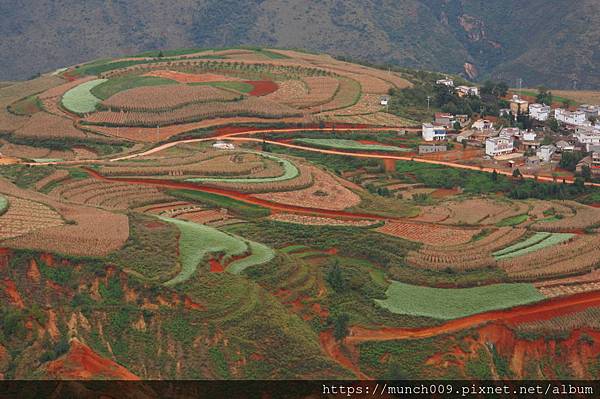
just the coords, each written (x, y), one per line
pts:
(461, 91)
(513, 143)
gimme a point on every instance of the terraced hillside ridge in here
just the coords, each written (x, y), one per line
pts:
(180, 215)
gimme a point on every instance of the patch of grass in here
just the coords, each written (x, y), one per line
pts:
(80, 99)
(116, 85)
(3, 205)
(512, 221)
(151, 249)
(452, 303)
(26, 106)
(349, 145)
(534, 243)
(197, 241)
(237, 207)
(259, 254)
(23, 176)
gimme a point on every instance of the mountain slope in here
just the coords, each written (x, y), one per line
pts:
(542, 41)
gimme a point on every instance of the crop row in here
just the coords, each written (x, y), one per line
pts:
(579, 254)
(24, 216)
(469, 256)
(347, 94)
(252, 106)
(534, 243)
(80, 99)
(164, 98)
(43, 124)
(585, 216)
(428, 234)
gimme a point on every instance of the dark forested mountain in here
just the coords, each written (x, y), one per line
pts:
(551, 42)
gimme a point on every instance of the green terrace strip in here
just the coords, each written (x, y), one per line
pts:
(534, 243)
(453, 303)
(116, 85)
(197, 241)
(80, 99)
(3, 204)
(290, 172)
(512, 221)
(42, 160)
(349, 145)
(259, 254)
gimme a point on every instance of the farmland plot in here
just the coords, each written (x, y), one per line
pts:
(44, 125)
(428, 233)
(585, 216)
(453, 303)
(25, 216)
(350, 145)
(80, 100)
(534, 243)
(164, 98)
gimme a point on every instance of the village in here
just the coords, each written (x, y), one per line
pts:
(557, 142)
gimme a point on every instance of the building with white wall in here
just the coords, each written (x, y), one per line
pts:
(433, 133)
(545, 152)
(496, 146)
(539, 112)
(576, 118)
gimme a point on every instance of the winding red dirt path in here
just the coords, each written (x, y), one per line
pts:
(538, 311)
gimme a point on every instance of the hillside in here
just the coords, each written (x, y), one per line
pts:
(509, 40)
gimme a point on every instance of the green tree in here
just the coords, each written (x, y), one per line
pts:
(334, 277)
(586, 173)
(544, 96)
(340, 326)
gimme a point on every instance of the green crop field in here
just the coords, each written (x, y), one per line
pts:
(534, 243)
(512, 221)
(259, 254)
(196, 242)
(3, 204)
(80, 99)
(349, 145)
(290, 172)
(115, 85)
(447, 303)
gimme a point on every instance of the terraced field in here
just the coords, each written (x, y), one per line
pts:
(350, 145)
(449, 304)
(80, 99)
(536, 242)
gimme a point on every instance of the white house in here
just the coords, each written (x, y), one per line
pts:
(591, 111)
(545, 152)
(433, 133)
(587, 135)
(482, 124)
(467, 91)
(446, 82)
(576, 118)
(510, 132)
(529, 135)
(221, 145)
(498, 146)
(539, 112)
(384, 100)
(564, 146)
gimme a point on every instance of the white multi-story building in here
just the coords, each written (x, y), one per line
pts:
(446, 82)
(433, 133)
(545, 152)
(576, 118)
(510, 132)
(467, 91)
(539, 112)
(482, 124)
(591, 111)
(498, 146)
(221, 145)
(587, 135)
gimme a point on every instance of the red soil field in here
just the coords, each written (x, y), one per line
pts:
(82, 363)
(215, 266)
(331, 347)
(389, 165)
(445, 192)
(262, 87)
(11, 290)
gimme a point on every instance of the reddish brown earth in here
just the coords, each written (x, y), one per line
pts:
(13, 294)
(215, 266)
(333, 350)
(183, 77)
(262, 87)
(82, 363)
(389, 165)
(445, 192)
